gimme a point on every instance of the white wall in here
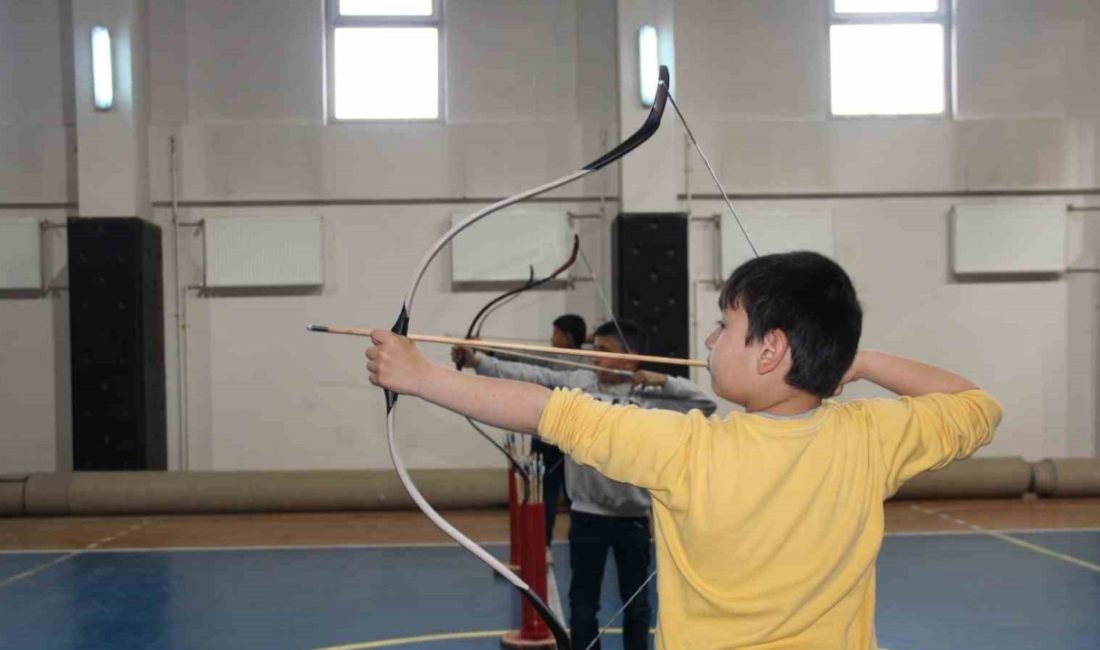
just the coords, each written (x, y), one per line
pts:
(1027, 119)
(539, 104)
(36, 117)
(112, 146)
(268, 394)
(531, 95)
(36, 167)
(1016, 339)
(36, 111)
(34, 364)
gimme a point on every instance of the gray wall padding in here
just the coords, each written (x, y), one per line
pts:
(12, 487)
(116, 493)
(1044, 478)
(47, 495)
(1068, 477)
(974, 478)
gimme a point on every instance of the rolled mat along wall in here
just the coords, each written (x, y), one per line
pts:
(116, 493)
(973, 478)
(1067, 477)
(11, 493)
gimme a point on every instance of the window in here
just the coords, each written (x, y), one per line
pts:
(889, 57)
(383, 59)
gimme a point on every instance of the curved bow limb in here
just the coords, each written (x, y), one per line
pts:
(401, 326)
(483, 314)
(474, 331)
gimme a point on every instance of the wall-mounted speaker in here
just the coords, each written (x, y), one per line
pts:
(116, 329)
(651, 283)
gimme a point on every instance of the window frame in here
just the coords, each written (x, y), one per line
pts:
(944, 16)
(334, 21)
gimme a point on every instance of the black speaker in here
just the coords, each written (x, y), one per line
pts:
(651, 283)
(116, 332)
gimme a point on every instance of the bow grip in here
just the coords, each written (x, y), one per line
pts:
(400, 326)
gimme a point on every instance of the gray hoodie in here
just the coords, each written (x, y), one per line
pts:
(592, 492)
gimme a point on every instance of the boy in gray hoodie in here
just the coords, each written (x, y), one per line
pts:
(606, 514)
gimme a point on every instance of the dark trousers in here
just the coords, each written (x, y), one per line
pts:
(590, 537)
(553, 481)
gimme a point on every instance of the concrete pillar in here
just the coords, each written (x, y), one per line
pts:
(648, 175)
(112, 146)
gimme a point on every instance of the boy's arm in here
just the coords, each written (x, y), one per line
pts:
(905, 376)
(941, 416)
(395, 363)
(645, 448)
(676, 394)
(549, 377)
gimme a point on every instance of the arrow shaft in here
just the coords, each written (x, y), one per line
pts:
(520, 347)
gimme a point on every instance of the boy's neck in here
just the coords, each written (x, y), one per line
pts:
(794, 403)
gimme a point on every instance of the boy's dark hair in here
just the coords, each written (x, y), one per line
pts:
(635, 338)
(812, 300)
(574, 326)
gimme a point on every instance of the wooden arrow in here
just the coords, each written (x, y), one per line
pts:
(519, 347)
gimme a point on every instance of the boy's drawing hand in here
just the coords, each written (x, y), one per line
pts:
(394, 363)
(648, 378)
(854, 373)
(464, 357)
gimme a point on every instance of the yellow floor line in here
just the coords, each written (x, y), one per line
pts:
(429, 638)
(425, 638)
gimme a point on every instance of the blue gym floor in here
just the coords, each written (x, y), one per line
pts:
(999, 591)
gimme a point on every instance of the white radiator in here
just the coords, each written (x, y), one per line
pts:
(1009, 239)
(263, 252)
(504, 246)
(20, 253)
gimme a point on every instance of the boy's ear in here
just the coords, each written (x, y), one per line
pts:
(773, 349)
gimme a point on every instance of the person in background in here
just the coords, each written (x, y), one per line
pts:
(569, 331)
(606, 515)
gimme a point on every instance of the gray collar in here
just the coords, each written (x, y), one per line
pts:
(797, 416)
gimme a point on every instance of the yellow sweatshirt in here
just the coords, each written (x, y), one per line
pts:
(767, 529)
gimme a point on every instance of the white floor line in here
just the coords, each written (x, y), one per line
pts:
(1042, 550)
(70, 555)
(967, 531)
(38, 569)
(282, 547)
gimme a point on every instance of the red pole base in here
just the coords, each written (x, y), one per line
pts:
(514, 521)
(533, 568)
(515, 639)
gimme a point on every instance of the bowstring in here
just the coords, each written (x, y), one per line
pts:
(714, 176)
(599, 289)
(621, 610)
